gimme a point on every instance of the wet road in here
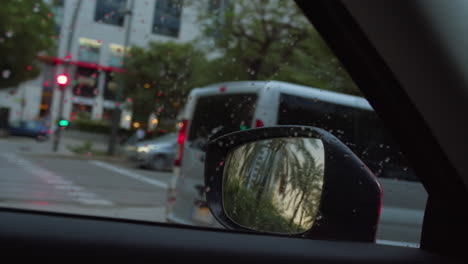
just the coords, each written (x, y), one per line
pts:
(30, 180)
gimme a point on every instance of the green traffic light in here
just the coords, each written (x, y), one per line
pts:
(63, 123)
(243, 127)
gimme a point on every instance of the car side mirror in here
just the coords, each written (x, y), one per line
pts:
(292, 180)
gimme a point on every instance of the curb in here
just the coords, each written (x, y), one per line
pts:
(76, 157)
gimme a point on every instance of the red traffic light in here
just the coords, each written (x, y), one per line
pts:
(62, 79)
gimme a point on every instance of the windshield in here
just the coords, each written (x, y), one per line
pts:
(86, 84)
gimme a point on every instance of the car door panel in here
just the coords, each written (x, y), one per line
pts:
(57, 235)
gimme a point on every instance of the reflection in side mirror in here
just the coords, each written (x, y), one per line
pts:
(274, 185)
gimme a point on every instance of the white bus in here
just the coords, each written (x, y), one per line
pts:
(227, 107)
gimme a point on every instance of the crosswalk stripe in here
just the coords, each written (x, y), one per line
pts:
(72, 190)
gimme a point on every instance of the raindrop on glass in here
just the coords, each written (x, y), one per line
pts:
(6, 74)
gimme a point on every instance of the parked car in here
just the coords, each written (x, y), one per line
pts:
(29, 128)
(157, 154)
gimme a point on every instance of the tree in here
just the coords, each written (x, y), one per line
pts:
(159, 78)
(270, 40)
(26, 29)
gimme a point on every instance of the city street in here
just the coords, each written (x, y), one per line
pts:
(33, 177)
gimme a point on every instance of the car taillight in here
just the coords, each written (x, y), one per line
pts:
(259, 123)
(181, 141)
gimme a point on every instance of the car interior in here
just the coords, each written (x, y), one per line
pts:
(401, 57)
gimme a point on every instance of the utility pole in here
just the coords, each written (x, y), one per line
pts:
(62, 88)
(23, 100)
(116, 114)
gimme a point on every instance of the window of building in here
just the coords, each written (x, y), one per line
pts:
(217, 5)
(116, 54)
(89, 50)
(167, 17)
(57, 9)
(218, 9)
(85, 83)
(110, 12)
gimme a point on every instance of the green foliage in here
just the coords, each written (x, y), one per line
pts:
(84, 148)
(271, 41)
(242, 206)
(274, 185)
(160, 77)
(96, 126)
(247, 41)
(26, 28)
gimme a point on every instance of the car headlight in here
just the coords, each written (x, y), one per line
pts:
(142, 149)
(147, 148)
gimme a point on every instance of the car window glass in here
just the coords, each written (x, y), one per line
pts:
(31, 125)
(184, 72)
(221, 114)
(15, 124)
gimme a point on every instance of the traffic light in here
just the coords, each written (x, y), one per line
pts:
(62, 79)
(63, 123)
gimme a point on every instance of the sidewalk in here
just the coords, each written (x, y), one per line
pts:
(29, 146)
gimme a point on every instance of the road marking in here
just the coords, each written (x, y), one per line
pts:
(130, 174)
(397, 243)
(74, 191)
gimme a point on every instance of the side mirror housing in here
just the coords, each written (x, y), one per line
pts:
(292, 180)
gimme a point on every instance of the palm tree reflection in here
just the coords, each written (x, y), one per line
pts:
(275, 185)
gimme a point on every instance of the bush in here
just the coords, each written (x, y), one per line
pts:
(96, 126)
(84, 148)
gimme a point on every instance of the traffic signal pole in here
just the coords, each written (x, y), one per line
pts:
(63, 86)
(60, 117)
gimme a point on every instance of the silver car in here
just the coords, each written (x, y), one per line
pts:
(156, 154)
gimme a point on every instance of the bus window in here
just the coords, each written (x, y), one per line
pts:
(221, 114)
(359, 129)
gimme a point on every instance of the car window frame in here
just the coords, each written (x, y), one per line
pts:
(383, 73)
(368, 69)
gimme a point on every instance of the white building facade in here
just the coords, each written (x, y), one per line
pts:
(97, 48)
